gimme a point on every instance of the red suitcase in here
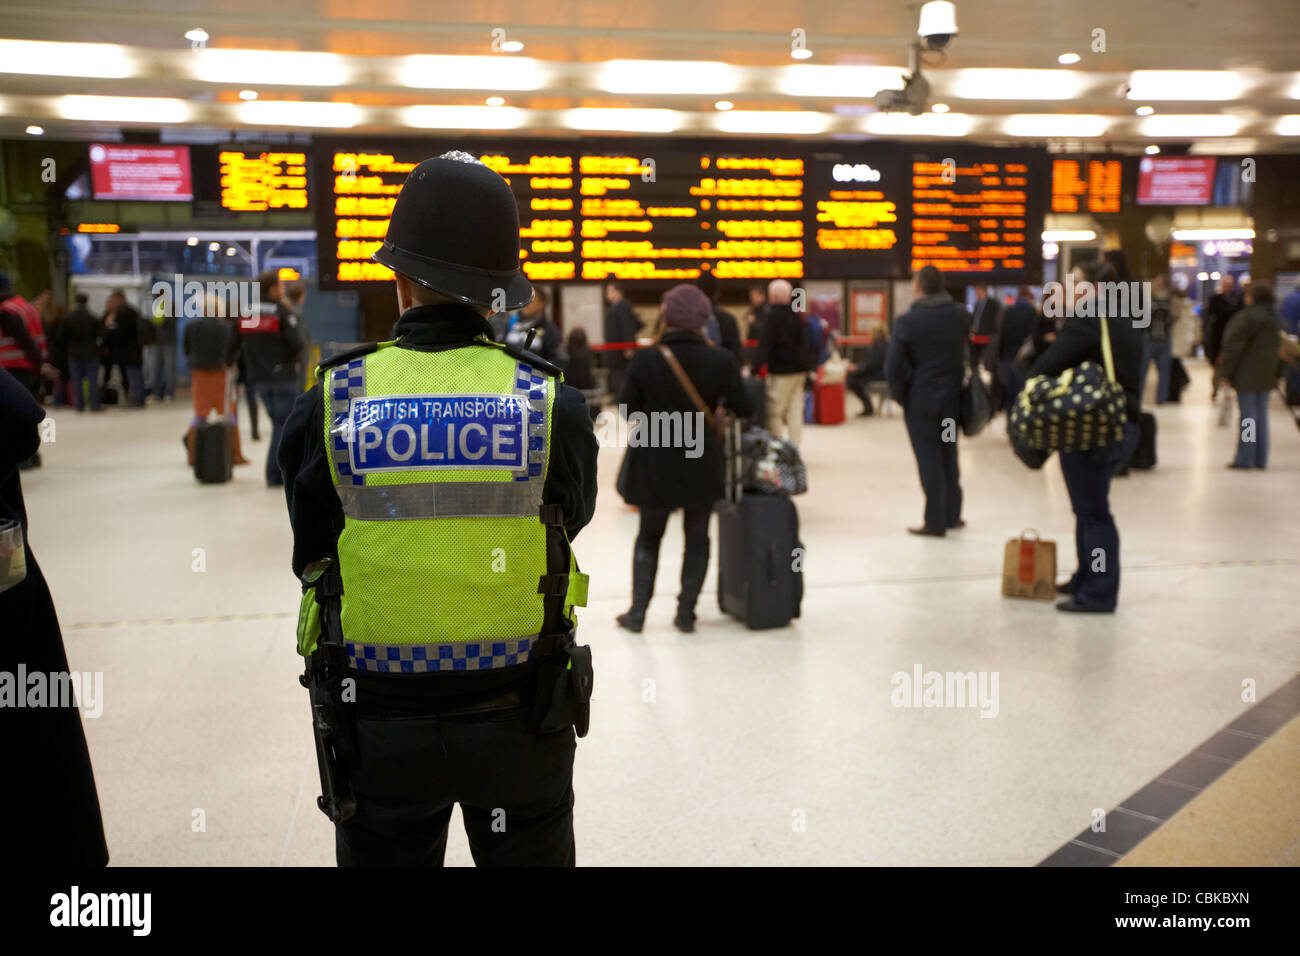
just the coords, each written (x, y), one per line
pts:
(829, 404)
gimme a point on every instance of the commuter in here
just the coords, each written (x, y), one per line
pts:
(687, 474)
(1290, 312)
(1095, 585)
(271, 343)
(577, 370)
(163, 366)
(244, 383)
(621, 325)
(754, 320)
(1223, 305)
(985, 317)
(1248, 360)
(82, 335)
(1157, 344)
(122, 336)
(785, 357)
(295, 300)
(23, 348)
(870, 368)
(210, 344)
(49, 797)
(533, 318)
(483, 707)
(925, 367)
(728, 330)
(1017, 325)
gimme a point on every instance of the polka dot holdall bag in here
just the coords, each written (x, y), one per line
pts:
(1081, 409)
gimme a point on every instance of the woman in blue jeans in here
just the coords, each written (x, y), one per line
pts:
(1095, 585)
(1248, 360)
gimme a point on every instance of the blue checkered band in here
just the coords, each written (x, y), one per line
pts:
(426, 658)
(346, 382)
(532, 384)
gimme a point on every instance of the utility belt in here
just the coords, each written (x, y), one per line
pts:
(561, 697)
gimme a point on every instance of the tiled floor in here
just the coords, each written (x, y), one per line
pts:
(726, 746)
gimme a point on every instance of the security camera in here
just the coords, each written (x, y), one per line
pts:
(938, 24)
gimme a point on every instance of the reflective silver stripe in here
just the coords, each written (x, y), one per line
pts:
(449, 656)
(442, 499)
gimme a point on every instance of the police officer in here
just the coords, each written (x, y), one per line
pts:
(434, 484)
(270, 342)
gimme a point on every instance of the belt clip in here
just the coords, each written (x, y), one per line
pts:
(553, 585)
(552, 516)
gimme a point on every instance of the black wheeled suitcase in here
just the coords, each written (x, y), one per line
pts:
(760, 559)
(1144, 456)
(213, 452)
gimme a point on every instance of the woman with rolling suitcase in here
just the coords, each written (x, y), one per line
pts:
(682, 376)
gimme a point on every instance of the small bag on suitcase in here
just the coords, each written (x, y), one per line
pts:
(1144, 456)
(760, 558)
(213, 452)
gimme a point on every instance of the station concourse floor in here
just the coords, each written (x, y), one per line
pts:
(727, 746)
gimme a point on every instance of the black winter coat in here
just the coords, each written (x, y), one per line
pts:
(926, 361)
(666, 477)
(1080, 340)
(49, 799)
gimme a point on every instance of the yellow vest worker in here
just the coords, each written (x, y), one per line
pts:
(435, 483)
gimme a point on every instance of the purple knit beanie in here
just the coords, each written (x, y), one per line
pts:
(686, 307)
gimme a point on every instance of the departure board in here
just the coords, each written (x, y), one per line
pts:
(858, 213)
(361, 183)
(1086, 185)
(256, 182)
(977, 214)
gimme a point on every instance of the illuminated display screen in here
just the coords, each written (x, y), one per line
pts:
(256, 182)
(978, 214)
(1086, 185)
(859, 213)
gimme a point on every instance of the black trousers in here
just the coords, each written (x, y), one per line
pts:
(936, 460)
(514, 787)
(655, 520)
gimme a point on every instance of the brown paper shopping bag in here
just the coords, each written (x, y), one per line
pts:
(1029, 567)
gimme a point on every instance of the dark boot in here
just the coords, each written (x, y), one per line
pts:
(694, 568)
(644, 566)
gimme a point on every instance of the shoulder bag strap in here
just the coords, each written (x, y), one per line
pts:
(1105, 349)
(691, 393)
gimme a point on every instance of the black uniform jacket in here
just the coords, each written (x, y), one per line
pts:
(317, 515)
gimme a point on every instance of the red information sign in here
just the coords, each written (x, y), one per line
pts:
(1175, 180)
(126, 171)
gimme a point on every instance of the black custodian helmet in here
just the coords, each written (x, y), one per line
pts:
(455, 230)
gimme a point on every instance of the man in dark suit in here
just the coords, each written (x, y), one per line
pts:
(924, 366)
(1016, 325)
(1095, 585)
(621, 325)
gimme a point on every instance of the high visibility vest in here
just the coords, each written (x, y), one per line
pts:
(439, 460)
(11, 354)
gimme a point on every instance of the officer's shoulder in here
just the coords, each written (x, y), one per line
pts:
(348, 355)
(530, 358)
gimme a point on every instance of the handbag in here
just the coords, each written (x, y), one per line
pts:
(716, 422)
(770, 465)
(1081, 409)
(976, 403)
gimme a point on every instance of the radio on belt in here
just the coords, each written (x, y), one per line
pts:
(421, 432)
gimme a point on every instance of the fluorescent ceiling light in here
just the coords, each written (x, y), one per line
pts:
(197, 35)
(100, 60)
(1152, 149)
(1065, 59)
(473, 72)
(270, 68)
(1236, 146)
(938, 107)
(496, 101)
(1069, 235)
(292, 113)
(1191, 235)
(801, 53)
(464, 117)
(927, 124)
(124, 109)
(1288, 126)
(723, 105)
(1009, 84)
(680, 77)
(776, 122)
(1048, 124)
(624, 120)
(1185, 85)
(840, 81)
(1190, 127)
(35, 131)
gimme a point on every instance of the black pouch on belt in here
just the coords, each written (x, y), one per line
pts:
(564, 691)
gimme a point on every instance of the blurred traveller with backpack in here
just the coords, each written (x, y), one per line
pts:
(784, 358)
